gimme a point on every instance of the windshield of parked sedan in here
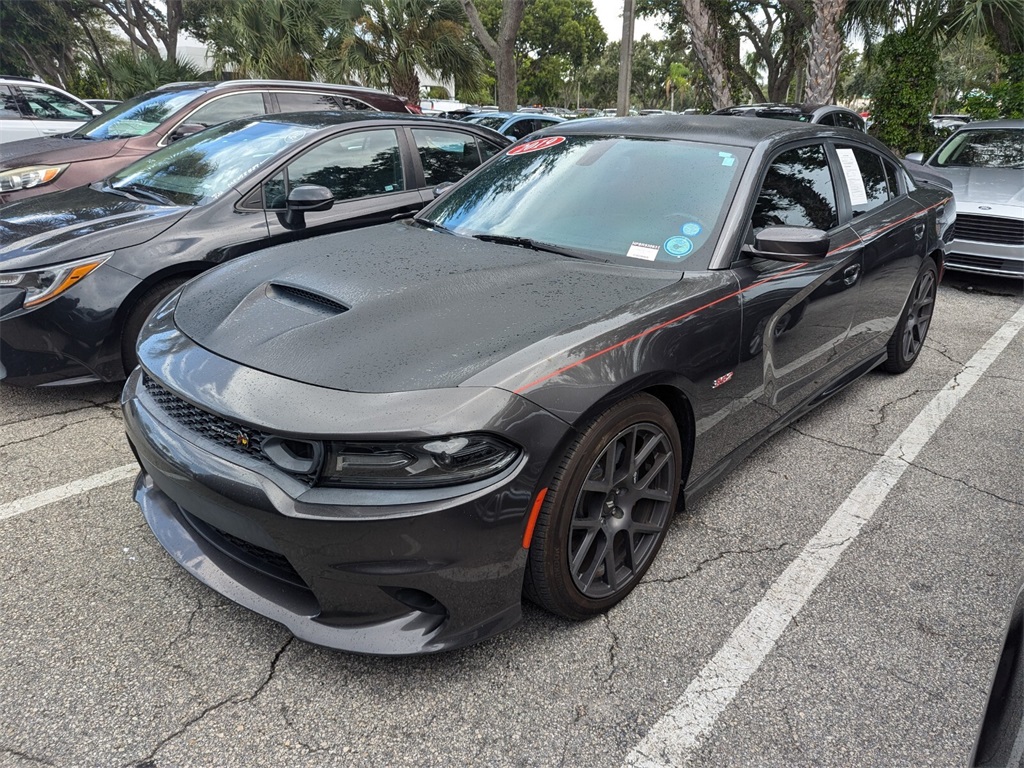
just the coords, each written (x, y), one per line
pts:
(136, 117)
(199, 169)
(639, 201)
(494, 123)
(983, 148)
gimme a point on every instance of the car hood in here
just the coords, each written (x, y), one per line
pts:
(396, 308)
(81, 222)
(998, 186)
(55, 149)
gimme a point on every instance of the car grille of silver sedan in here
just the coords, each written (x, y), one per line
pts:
(990, 229)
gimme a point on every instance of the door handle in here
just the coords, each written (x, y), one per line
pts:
(919, 231)
(851, 274)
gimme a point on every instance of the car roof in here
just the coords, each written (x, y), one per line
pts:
(328, 119)
(217, 85)
(718, 129)
(1007, 123)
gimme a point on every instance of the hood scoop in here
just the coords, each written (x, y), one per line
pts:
(304, 299)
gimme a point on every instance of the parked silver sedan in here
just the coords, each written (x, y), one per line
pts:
(985, 162)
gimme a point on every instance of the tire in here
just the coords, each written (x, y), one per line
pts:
(604, 520)
(907, 339)
(137, 318)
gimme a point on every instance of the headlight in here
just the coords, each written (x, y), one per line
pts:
(46, 284)
(420, 464)
(30, 176)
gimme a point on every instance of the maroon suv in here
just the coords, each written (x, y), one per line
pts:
(138, 126)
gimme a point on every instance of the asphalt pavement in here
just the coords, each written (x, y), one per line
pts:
(111, 655)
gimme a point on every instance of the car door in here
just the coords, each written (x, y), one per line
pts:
(14, 126)
(892, 233)
(368, 172)
(796, 317)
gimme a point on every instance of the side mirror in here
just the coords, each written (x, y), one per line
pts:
(792, 244)
(186, 129)
(302, 199)
(915, 157)
(443, 187)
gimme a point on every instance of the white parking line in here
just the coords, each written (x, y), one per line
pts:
(673, 740)
(66, 491)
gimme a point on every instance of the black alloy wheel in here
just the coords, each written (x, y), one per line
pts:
(607, 510)
(908, 339)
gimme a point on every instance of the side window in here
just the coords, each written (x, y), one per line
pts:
(521, 128)
(828, 119)
(348, 103)
(50, 105)
(797, 191)
(237, 105)
(353, 165)
(865, 178)
(446, 155)
(848, 121)
(291, 101)
(488, 150)
(8, 105)
(892, 175)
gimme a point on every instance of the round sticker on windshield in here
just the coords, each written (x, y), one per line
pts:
(690, 229)
(536, 145)
(678, 246)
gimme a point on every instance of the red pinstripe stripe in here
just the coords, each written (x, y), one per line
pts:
(659, 326)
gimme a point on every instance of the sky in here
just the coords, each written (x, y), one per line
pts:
(610, 14)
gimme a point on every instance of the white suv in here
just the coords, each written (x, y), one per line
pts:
(30, 109)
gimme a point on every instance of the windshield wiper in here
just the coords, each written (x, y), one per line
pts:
(144, 192)
(533, 245)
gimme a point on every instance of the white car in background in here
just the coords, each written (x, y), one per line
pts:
(30, 109)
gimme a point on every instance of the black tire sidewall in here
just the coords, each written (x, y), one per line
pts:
(896, 362)
(136, 318)
(553, 586)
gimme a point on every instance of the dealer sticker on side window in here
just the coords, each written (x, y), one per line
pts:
(536, 145)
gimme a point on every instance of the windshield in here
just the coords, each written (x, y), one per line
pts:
(988, 148)
(138, 116)
(199, 169)
(653, 202)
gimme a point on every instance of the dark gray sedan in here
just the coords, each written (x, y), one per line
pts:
(383, 440)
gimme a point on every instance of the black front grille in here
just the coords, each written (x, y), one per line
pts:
(989, 229)
(987, 263)
(269, 563)
(243, 440)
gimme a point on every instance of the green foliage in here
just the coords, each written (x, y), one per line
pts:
(132, 76)
(903, 99)
(1004, 100)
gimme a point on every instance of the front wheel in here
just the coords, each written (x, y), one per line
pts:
(907, 340)
(607, 510)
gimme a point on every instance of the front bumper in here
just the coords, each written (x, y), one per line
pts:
(383, 572)
(989, 240)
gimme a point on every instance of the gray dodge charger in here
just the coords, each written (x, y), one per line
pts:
(385, 440)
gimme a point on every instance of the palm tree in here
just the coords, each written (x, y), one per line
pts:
(394, 38)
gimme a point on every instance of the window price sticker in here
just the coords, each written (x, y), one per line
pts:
(854, 180)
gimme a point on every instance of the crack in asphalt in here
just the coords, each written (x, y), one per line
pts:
(25, 756)
(1014, 502)
(721, 555)
(933, 348)
(825, 440)
(53, 431)
(882, 417)
(149, 761)
(913, 684)
(612, 648)
(578, 715)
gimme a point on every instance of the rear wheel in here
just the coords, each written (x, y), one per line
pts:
(137, 318)
(907, 340)
(607, 510)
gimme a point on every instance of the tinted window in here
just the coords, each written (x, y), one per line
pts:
(446, 155)
(8, 106)
(494, 123)
(865, 178)
(233, 107)
(522, 128)
(642, 202)
(849, 121)
(353, 165)
(200, 168)
(138, 116)
(348, 103)
(50, 105)
(306, 102)
(989, 148)
(797, 191)
(828, 119)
